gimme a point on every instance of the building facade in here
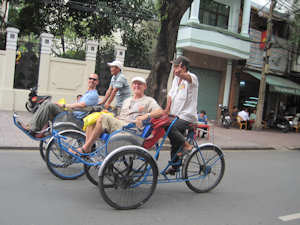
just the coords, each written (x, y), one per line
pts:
(223, 40)
(214, 34)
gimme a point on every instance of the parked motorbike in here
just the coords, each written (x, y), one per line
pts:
(225, 119)
(34, 101)
(280, 122)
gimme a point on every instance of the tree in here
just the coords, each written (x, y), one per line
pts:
(170, 14)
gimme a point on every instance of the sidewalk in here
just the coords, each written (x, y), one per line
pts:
(12, 138)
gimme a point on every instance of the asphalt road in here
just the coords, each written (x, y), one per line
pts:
(258, 188)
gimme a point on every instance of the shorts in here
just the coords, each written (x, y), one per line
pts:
(111, 124)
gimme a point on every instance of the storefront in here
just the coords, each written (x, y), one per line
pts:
(282, 94)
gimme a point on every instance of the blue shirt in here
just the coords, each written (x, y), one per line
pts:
(202, 119)
(90, 98)
(119, 81)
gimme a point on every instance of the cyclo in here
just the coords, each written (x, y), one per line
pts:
(125, 171)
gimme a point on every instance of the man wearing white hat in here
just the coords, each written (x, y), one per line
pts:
(118, 87)
(135, 109)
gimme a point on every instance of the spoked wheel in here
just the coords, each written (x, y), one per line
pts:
(59, 162)
(128, 177)
(114, 143)
(204, 168)
(43, 144)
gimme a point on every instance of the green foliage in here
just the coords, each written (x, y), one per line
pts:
(73, 54)
(105, 54)
(140, 44)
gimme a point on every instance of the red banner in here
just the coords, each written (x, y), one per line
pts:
(263, 39)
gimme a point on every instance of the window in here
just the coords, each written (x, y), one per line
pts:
(214, 13)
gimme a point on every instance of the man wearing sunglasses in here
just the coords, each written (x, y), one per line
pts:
(48, 110)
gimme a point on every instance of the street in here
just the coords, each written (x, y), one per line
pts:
(258, 187)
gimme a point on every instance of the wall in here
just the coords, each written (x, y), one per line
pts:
(278, 56)
(132, 72)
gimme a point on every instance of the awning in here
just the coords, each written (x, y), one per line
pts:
(279, 84)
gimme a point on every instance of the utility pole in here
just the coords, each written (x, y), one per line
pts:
(265, 70)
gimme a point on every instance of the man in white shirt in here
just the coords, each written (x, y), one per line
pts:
(244, 115)
(182, 102)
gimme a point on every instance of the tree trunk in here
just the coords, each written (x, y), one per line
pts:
(171, 12)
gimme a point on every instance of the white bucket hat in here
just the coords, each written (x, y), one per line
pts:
(115, 63)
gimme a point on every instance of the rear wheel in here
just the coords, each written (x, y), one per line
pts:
(128, 178)
(62, 164)
(92, 171)
(204, 168)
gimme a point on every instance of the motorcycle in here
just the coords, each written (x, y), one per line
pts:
(280, 122)
(34, 101)
(225, 119)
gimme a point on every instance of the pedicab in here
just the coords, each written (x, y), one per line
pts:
(125, 171)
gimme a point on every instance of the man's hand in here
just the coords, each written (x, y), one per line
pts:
(60, 105)
(106, 105)
(139, 120)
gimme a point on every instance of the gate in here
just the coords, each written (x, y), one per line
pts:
(27, 65)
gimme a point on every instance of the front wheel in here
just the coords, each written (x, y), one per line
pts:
(43, 144)
(60, 163)
(204, 168)
(29, 107)
(128, 177)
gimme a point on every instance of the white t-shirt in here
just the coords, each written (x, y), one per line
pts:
(244, 115)
(184, 98)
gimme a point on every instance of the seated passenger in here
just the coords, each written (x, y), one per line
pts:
(137, 108)
(244, 115)
(48, 110)
(202, 118)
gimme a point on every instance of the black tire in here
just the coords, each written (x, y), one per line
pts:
(114, 143)
(286, 127)
(43, 144)
(42, 148)
(91, 172)
(204, 168)
(226, 124)
(28, 107)
(128, 178)
(60, 163)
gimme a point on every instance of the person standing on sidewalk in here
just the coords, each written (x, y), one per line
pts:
(48, 110)
(181, 102)
(118, 87)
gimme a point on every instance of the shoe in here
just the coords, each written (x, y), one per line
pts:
(184, 152)
(172, 171)
(35, 134)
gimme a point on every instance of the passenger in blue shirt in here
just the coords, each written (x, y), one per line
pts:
(118, 87)
(202, 118)
(48, 110)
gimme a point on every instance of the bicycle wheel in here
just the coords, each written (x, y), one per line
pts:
(128, 178)
(42, 148)
(60, 163)
(204, 168)
(43, 144)
(115, 142)
(91, 172)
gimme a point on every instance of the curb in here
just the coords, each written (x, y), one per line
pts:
(18, 148)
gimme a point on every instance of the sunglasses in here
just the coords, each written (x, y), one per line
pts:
(93, 79)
